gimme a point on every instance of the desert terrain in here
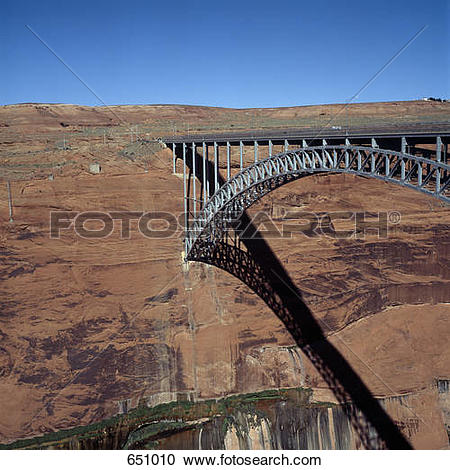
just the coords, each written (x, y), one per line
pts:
(91, 328)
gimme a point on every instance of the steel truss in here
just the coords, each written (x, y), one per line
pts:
(252, 183)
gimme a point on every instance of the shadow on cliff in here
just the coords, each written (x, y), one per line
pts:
(248, 257)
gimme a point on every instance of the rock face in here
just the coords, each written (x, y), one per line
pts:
(271, 420)
(91, 327)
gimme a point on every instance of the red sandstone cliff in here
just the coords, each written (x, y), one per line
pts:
(88, 324)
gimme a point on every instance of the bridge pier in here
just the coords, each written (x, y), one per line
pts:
(194, 192)
(228, 161)
(403, 145)
(438, 148)
(174, 158)
(438, 159)
(216, 166)
(185, 199)
(241, 152)
(205, 177)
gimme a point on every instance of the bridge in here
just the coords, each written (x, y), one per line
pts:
(218, 189)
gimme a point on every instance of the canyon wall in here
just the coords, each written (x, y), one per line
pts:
(282, 419)
(90, 328)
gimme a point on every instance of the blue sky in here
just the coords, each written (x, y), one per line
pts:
(222, 53)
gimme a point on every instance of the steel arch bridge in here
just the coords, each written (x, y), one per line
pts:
(253, 182)
(220, 202)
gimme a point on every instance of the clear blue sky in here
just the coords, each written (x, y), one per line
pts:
(222, 53)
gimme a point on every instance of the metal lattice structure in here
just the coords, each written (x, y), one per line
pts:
(428, 176)
(214, 204)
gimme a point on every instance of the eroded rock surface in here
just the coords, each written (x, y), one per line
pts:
(88, 325)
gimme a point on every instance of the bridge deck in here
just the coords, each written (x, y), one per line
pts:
(420, 133)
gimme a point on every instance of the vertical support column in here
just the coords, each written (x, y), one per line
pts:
(216, 167)
(174, 158)
(185, 200)
(194, 192)
(419, 174)
(304, 144)
(270, 148)
(324, 142)
(445, 158)
(208, 169)
(403, 144)
(387, 164)
(228, 161)
(10, 206)
(438, 159)
(205, 177)
(255, 145)
(438, 148)
(374, 143)
(241, 153)
(286, 145)
(402, 166)
(438, 180)
(347, 142)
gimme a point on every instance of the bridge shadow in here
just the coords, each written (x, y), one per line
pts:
(246, 255)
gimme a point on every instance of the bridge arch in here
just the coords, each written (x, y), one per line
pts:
(258, 268)
(252, 183)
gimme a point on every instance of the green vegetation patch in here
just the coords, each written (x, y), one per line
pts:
(144, 423)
